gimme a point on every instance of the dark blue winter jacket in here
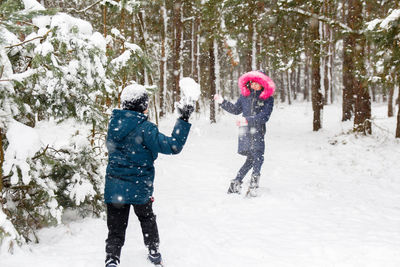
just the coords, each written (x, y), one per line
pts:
(257, 113)
(133, 144)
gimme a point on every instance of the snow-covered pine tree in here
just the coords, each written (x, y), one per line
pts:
(11, 20)
(54, 77)
(385, 32)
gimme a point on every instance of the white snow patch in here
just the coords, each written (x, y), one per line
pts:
(372, 24)
(99, 41)
(24, 142)
(66, 23)
(32, 5)
(392, 17)
(41, 21)
(327, 198)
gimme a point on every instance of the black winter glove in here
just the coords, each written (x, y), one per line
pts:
(185, 112)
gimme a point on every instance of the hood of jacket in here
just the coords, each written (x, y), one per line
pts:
(122, 123)
(259, 77)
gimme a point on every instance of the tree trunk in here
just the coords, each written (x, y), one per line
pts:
(390, 100)
(398, 116)
(143, 44)
(249, 55)
(163, 62)
(326, 80)
(212, 80)
(306, 92)
(297, 83)
(289, 86)
(177, 51)
(332, 58)
(362, 107)
(1, 163)
(282, 87)
(196, 53)
(254, 49)
(317, 101)
(104, 20)
(348, 69)
(195, 68)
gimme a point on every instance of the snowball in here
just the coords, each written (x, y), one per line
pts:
(133, 91)
(190, 90)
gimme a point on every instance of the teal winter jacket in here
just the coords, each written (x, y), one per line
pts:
(133, 144)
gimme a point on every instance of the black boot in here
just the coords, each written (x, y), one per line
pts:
(235, 187)
(255, 179)
(154, 255)
(112, 260)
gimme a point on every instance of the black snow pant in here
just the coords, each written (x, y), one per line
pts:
(117, 222)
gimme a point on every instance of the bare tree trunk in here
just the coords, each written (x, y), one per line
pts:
(143, 44)
(326, 46)
(289, 86)
(1, 163)
(326, 79)
(104, 20)
(163, 62)
(332, 58)
(212, 80)
(390, 101)
(232, 88)
(249, 55)
(306, 79)
(259, 49)
(362, 107)
(398, 116)
(282, 87)
(177, 50)
(195, 70)
(348, 69)
(317, 101)
(196, 52)
(297, 83)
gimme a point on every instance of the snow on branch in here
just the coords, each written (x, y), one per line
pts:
(85, 9)
(30, 40)
(320, 18)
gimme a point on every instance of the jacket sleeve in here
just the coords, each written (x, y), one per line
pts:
(263, 116)
(159, 143)
(233, 108)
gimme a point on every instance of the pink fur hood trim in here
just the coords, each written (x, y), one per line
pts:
(259, 77)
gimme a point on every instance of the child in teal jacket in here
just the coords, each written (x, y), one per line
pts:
(133, 145)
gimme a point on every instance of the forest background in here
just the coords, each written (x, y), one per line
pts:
(65, 63)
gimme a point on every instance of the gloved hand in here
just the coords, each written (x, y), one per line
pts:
(241, 122)
(185, 111)
(218, 98)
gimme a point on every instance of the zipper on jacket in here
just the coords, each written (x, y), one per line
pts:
(253, 97)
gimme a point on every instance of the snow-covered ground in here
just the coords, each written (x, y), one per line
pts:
(326, 199)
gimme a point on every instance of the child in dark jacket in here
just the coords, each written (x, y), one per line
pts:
(255, 104)
(133, 145)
